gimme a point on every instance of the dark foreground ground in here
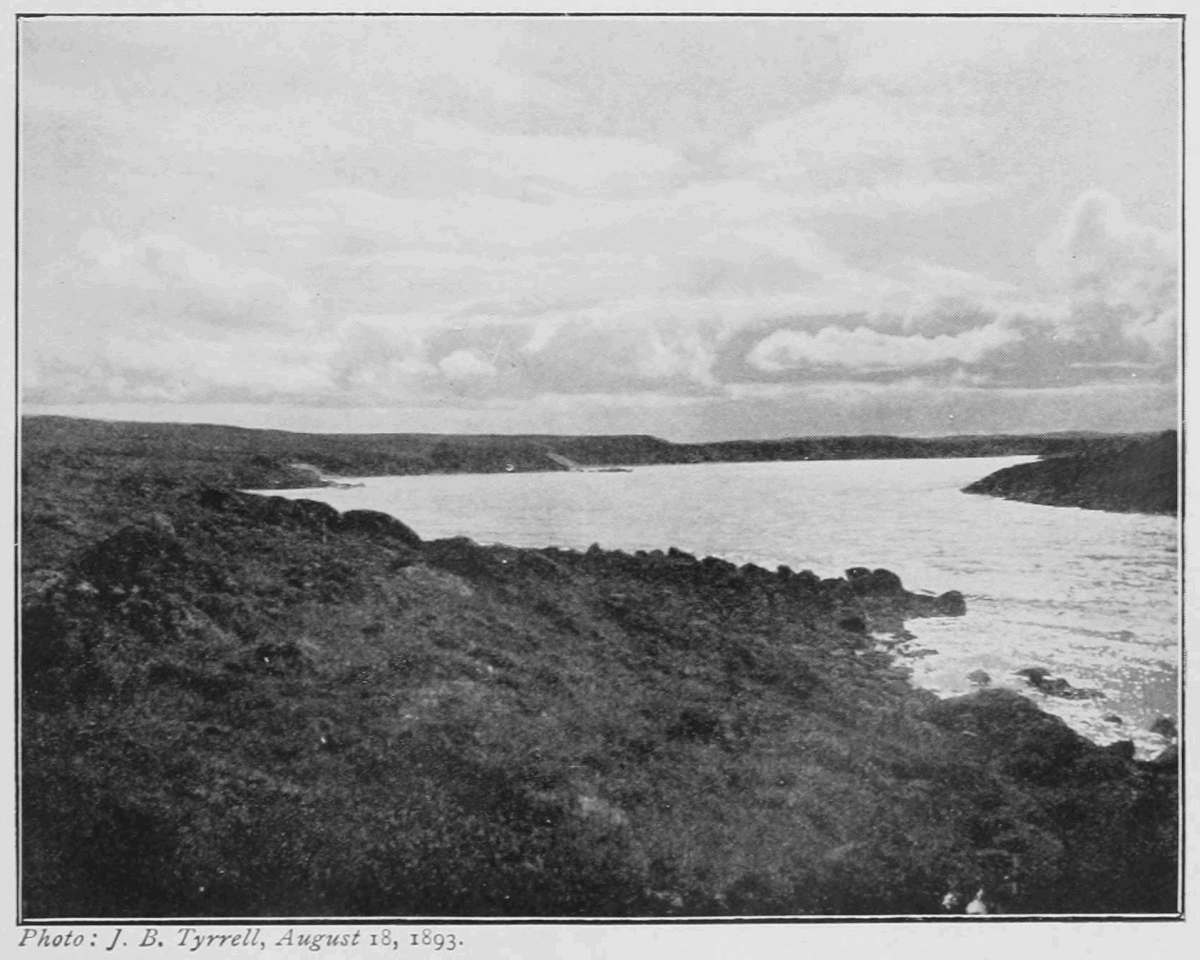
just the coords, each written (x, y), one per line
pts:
(237, 706)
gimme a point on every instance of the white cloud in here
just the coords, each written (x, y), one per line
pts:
(1109, 263)
(166, 278)
(426, 209)
(466, 365)
(863, 348)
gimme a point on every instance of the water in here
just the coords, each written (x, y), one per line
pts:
(1091, 596)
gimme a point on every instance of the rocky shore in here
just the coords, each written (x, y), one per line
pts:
(1126, 476)
(241, 706)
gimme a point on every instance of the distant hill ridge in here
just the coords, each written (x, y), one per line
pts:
(266, 458)
(1137, 476)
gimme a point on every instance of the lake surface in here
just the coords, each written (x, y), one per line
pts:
(1089, 595)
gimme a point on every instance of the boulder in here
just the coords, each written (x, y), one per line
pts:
(874, 582)
(1165, 727)
(718, 565)
(807, 579)
(950, 604)
(1040, 678)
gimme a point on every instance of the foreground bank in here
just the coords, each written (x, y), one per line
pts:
(243, 706)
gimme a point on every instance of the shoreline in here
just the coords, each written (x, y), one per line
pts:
(498, 731)
(261, 458)
(1102, 725)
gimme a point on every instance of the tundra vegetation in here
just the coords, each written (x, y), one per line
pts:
(241, 706)
(1129, 475)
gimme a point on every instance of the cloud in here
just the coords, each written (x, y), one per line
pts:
(466, 223)
(862, 348)
(534, 213)
(855, 130)
(1110, 264)
(466, 365)
(174, 368)
(287, 133)
(905, 194)
(165, 278)
(1108, 314)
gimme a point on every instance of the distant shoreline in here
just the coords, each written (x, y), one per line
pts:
(275, 459)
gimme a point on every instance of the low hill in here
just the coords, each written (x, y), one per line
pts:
(242, 706)
(267, 458)
(1127, 477)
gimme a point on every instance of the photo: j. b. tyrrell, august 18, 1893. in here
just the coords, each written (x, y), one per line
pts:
(518, 467)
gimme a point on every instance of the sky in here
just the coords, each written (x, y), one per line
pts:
(703, 228)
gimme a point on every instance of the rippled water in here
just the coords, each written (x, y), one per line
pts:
(1091, 596)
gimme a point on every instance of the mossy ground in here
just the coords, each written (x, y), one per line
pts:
(235, 706)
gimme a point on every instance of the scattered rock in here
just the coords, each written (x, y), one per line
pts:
(1165, 727)
(714, 565)
(1040, 678)
(949, 604)
(980, 678)
(161, 523)
(874, 582)
(808, 579)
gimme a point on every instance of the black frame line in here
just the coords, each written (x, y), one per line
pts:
(450, 921)
(599, 14)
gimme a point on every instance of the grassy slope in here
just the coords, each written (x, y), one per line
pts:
(236, 706)
(1132, 477)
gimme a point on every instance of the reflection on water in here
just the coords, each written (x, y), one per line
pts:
(1091, 596)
